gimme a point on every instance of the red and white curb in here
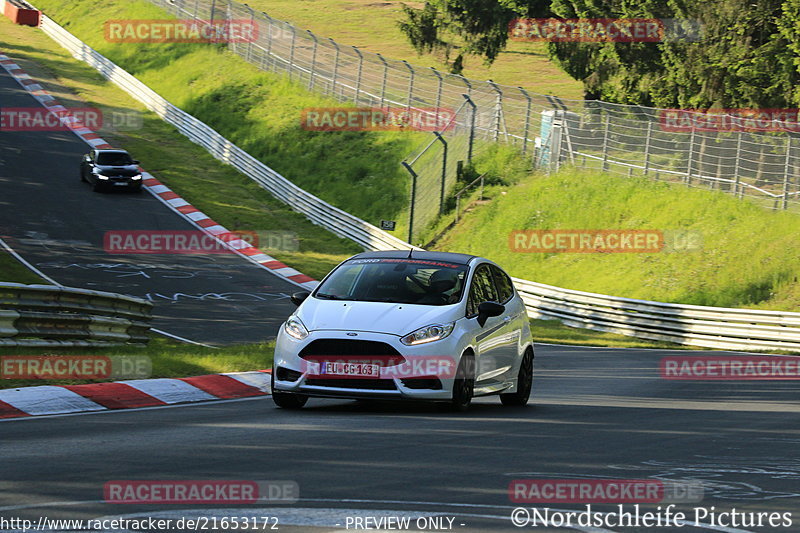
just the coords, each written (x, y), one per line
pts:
(158, 189)
(66, 399)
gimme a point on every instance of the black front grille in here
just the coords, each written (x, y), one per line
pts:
(286, 374)
(423, 382)
(354, 351)
(354, 383)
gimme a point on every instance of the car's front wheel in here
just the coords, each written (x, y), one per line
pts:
(524, 383)
(287, 400)
(464, 383)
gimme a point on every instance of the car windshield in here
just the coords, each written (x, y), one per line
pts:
(407, 281)
(114, 159)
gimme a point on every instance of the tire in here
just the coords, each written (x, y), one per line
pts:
(83, 178)
(464, 384)
(97, 187)
(524, 383)
(287, 400)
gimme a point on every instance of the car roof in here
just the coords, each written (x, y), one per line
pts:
(459, 259)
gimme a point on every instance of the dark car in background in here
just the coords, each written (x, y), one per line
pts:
(111, 169)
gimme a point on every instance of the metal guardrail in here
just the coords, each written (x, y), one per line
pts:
(48, 315)
(712, 327)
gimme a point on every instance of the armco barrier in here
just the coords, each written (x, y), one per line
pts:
(712, 327)
(48, 315)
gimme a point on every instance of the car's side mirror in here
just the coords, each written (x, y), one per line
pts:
(300, 297)
(487, 309)
(135, 161)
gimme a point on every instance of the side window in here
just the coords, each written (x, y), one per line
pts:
(505, 290)
(482, 290)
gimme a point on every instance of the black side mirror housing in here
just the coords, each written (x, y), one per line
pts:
(300, 297)
(487, 309)
(136, 161)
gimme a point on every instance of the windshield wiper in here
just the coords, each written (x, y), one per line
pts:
(326, 296)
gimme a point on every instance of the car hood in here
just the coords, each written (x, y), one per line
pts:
(126, 170)
(374, 317)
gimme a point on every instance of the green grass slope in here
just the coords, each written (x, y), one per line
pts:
(748, 256)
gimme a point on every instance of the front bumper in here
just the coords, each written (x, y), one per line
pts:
(295, 371)
(119, 182)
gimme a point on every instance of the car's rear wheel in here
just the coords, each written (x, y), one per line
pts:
(524, 383)
(287, 400)
(464, 383)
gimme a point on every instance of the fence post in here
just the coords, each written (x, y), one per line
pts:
(249, 53)
(268, 53)
(438, 92)
(213, 12)
(444, 169)
(291, 52)
(647, 147)
(313, 61)
(360, 71)
(335, 65)
(385, 77)
(691, 155)
(527, 119)
(736, 167)
(498, 110)
(410, 85)
(413, 200)
(473, 110)
(196, 7)
(605, 143)
(786, 173)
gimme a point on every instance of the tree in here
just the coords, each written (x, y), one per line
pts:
(466, 27)
(746, 56)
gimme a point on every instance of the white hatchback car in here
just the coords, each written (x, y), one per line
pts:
(406, 325)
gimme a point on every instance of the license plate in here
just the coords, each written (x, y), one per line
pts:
(351, 369)
(122, 183)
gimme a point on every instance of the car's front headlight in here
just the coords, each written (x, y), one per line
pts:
(430, 333)
(101, 177)
(295, 328)
(136, 177)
